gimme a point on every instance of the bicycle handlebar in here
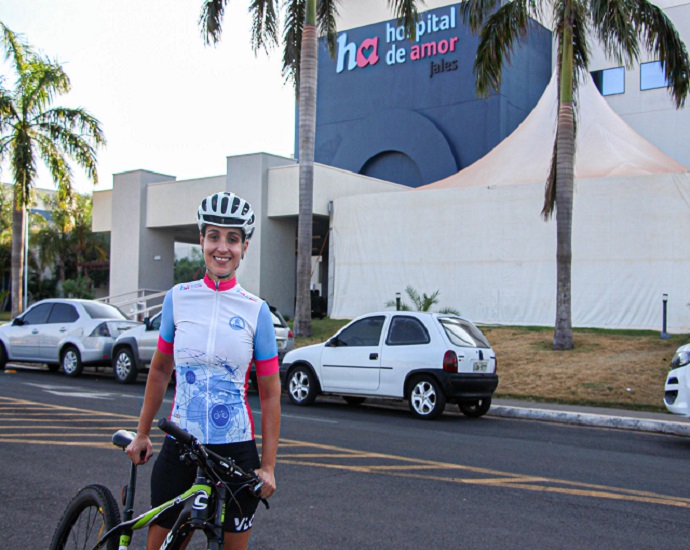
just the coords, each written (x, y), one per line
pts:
(227, 464)
(175, 431)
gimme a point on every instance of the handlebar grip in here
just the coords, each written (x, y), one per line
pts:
(170, 428)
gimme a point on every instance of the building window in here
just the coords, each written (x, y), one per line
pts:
(610, 81)
(652, 76)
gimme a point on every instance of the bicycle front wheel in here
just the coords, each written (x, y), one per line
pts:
(90, 515)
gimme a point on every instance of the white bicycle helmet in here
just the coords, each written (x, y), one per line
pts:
(226, 210)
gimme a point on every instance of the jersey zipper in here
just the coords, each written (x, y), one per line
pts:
(210, 346)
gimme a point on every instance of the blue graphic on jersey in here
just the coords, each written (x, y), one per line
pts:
(220, 415)
(209, 401)
(237, 323)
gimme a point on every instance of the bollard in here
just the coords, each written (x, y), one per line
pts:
(664, 335)
(397, 301)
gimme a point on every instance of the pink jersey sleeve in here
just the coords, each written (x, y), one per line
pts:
(165, 347)
(267, 367)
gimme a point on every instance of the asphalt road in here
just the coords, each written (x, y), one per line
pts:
(365, 477)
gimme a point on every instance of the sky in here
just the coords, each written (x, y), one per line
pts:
(166, 102)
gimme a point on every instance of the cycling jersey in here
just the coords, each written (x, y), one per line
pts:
(216, 331)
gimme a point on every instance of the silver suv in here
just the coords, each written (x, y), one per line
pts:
(133, 350)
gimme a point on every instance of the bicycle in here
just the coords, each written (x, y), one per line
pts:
(92, 518)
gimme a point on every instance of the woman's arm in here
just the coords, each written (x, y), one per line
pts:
(269, 396)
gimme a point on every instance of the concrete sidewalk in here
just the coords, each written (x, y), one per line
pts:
(592, 416)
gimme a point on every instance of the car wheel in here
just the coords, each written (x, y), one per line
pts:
(71, 361)
(426, 398)
(475, 408)
(124, 366)
(302, 386)
(353, 400)
(53, 367)
(3, 357)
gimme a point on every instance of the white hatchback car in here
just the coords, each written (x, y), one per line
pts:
(67, 333)
(427, 358)
(677, 389)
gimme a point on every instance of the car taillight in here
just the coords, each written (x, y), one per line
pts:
(101, 330)
(291, 334)
(450, 362)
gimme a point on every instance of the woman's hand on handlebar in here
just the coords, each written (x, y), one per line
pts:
(140, 449)
(269, 479)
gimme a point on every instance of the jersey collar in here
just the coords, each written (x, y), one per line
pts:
(222, 285)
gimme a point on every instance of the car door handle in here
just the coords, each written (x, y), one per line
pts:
(373, 356)
(34, 331)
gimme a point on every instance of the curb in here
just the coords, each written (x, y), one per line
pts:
(595, 420)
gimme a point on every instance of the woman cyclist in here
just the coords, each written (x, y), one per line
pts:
(211, 333)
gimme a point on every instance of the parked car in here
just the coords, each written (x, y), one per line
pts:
(677, 389)
(67, 333)
(430, 359)
(133, 350)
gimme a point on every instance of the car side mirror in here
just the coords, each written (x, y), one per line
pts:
(147, 322)
(333, 342)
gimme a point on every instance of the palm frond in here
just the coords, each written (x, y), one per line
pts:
(211, 20)
(414, 296)
(406, 13)
(662, 39)
(327, 14)
(42, 81)
(615, 28)
(264, 24)
(550, 191)
(17, 50)
(292, 41)
(499, 35)
(475, 12)
(75, 120)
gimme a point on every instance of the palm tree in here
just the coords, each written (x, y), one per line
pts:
(67, 243)
(420, 303)
(623, 27)
(304, 20)
(30, 129)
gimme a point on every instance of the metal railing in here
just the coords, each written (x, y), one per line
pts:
(137, 304)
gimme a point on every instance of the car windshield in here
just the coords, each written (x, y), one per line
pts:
(97, 310)
(462, 333)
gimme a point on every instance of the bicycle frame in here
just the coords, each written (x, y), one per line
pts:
(203, 504)
(195, 515)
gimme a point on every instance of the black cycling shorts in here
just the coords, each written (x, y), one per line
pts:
(171, 477)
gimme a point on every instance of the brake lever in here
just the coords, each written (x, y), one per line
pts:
(257, 493)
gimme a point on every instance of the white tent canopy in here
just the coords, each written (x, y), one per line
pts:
(478, 237)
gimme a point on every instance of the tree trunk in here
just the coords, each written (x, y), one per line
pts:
(18, 232)
(565, 175)
(563, 333)
(307, 131)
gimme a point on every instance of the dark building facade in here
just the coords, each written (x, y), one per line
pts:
(406, 111)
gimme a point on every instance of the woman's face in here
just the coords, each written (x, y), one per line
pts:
(223, 249)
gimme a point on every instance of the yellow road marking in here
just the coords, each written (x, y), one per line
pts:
(301, 453)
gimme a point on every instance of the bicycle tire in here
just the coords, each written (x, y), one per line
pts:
(90, 514)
